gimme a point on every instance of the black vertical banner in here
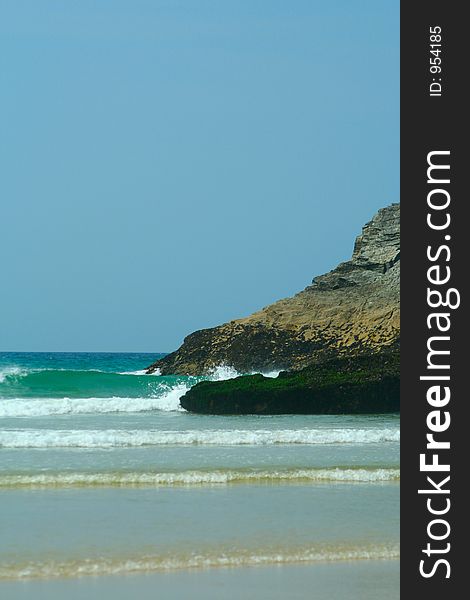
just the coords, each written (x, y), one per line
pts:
(435, 423)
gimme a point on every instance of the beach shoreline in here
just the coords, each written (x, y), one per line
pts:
(351, 580)
(112, 491)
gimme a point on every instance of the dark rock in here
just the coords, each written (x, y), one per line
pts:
(351, 385)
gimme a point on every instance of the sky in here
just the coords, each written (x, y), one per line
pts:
(170, 165)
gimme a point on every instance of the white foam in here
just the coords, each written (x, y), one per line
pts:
(11, 371)
(270, 373)
(155, 373)
(39, 407)
(195, 560)
(110, 438)
(223, 372)
(188, 478)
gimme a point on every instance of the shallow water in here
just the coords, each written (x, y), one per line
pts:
(101, 472)
(354, 580)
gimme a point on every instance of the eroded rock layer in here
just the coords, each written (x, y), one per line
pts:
(352, 310)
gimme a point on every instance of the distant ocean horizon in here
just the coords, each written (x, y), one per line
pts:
(89, 438)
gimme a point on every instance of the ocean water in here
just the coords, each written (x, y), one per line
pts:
(102, 473)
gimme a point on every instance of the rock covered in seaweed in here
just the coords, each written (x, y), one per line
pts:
(348, 385)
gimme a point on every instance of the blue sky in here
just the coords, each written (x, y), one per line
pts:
(170, 165)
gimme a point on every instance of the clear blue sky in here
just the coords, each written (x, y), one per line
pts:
(170, 165)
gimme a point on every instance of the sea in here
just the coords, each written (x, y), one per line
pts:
(103, 473)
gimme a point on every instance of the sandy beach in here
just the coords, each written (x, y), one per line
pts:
(131, 497)
(358, 580)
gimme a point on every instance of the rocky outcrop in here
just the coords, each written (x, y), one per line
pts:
(351, 311)
(362, 384)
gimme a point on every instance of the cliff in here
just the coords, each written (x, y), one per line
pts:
(353, 310)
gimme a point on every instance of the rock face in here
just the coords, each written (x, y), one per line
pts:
(350, 311)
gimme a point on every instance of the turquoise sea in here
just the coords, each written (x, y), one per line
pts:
(102, 473)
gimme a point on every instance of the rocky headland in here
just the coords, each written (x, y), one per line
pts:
(339, 337)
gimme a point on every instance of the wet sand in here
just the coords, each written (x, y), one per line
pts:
(358, 580)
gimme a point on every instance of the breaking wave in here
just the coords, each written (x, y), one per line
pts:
(189, 478)
(202, 560)
(88, 386)
(111, 438)
(43, 392)
(11, 372)
(222, 372)
(63, 384)
(38, 407)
